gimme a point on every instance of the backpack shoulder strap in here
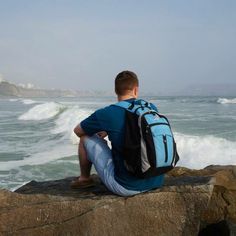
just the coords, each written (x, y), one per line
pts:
(134, 105)
(124, 104)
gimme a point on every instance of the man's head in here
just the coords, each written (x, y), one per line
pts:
(126, 83)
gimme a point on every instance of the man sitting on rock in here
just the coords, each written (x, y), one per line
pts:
(93, 149)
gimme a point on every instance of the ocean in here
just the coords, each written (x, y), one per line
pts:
(37, 140)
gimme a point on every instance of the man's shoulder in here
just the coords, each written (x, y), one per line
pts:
(110, 109)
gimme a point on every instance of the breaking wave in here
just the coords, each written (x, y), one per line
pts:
(195, 151)
(28, 101)
(43, 111)
(13, 100)
(66, 122)
(200, 151)
(226, 101)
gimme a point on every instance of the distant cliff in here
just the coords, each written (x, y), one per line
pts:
(8, 89)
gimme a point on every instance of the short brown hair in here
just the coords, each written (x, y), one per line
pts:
(125, 81)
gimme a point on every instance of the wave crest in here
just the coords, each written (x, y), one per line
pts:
(200, 151)
(67, 121)
(226, 101)
(43, 111)
(28, 101)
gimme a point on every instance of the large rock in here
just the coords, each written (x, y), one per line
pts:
(191, 201)
(222, 206)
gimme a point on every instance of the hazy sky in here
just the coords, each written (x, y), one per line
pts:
(75, 44)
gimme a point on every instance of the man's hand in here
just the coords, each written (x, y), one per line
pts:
(102, 134)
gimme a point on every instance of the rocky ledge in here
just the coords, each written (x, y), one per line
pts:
(192, 202)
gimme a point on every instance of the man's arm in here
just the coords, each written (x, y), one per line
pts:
(90, 126)
(79, 131)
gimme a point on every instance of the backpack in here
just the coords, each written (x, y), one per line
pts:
(149, 146)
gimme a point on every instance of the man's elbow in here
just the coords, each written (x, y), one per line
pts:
(75, 131)
(78, 131)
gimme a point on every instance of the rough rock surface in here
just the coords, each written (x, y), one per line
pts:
(187, 203)
(222, 206)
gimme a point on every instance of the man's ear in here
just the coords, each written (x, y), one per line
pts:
(135, 91)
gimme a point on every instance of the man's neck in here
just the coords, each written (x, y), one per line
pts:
(125, 97)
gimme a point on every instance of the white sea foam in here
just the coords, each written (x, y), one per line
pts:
(42, 111)
(13, 100)
(226, 101)
(68, 120)
(28, 101)
(195, 152)
(40, 158)
(200, 151)
(24, 101)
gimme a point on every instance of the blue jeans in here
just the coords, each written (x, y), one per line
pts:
(100, 155)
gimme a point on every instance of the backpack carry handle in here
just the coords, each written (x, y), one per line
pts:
(133, 103)
(131, 106)
(137, 104)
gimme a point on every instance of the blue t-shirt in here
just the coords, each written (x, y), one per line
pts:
(112, 120)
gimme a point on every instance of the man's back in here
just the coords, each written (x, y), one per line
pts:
(112, 120)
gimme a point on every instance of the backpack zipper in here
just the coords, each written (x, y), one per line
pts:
(158, 124)
(148, 127)
(165, 145)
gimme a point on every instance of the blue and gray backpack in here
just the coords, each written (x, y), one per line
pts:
(149, 145)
